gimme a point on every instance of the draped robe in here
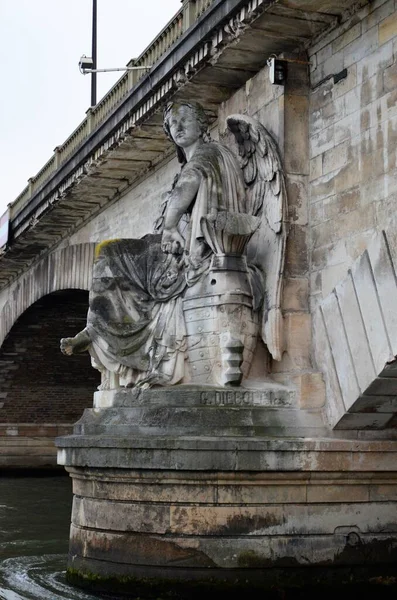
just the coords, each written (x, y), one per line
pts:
(135, 319)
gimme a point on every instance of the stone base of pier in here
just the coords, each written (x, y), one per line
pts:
(207, 487)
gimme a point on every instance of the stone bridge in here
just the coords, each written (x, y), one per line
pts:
(335, 123)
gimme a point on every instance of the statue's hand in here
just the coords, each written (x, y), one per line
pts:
(172, 242)
(67, 346)
(79, 343)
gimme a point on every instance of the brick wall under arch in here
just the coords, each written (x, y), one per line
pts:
(38, 384)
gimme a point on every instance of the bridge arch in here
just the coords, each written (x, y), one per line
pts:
(68, 268)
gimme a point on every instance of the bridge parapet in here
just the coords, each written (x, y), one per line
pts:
(182, 20)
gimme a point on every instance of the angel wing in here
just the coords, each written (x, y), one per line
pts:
(266, 198)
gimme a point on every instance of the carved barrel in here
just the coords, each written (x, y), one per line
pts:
(220, 323)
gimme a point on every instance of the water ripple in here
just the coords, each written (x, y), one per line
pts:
(37, 578)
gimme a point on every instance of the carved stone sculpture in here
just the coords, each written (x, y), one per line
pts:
(186, 304)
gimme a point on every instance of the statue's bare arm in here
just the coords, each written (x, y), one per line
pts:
(179, 203)
(79, 343)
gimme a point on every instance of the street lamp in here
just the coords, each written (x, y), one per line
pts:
(88, 64)
(93, 55)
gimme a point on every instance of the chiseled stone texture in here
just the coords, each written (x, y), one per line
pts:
(192, 410)
(353, 126)
(356, 341)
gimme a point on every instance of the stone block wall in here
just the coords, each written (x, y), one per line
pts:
(133, 215)
(284, 111)
(353, 201)
(355, 336)
(353, 135)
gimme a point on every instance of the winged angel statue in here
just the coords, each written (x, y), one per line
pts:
(188, 302)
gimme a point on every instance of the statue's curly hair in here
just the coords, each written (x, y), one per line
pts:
(200, 115)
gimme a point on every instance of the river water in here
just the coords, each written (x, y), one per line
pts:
(34, 535)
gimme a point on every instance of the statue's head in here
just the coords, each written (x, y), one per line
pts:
(184, 124)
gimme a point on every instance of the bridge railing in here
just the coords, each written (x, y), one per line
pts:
(190, 11)
(201, 6)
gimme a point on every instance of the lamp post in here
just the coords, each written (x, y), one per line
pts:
(88, 64)
(94, 50)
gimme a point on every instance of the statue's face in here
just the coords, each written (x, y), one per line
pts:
(184, 127)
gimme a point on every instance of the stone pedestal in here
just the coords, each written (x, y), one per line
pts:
(191, 486)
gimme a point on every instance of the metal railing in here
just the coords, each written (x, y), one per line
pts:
(190, 11)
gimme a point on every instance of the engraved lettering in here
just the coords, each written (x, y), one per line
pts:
(244, 398)
(204, 399)
(248, 398)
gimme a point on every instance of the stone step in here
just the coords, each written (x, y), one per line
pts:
(201, 420)
(218, 453)
(255, 432)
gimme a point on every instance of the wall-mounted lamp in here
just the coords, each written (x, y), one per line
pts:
(278, 69)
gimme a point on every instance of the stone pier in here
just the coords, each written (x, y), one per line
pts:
(188, 487)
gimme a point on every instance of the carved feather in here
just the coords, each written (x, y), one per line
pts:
(266, 194)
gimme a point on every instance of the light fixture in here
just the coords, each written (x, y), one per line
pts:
(86, 65)
(277, 70)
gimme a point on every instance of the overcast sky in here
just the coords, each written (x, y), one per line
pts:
(44, 96)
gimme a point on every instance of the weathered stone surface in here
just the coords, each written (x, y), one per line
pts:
(388, 28)
(386, 286)
(367, 295)
(312, 390)
(359, 330)
(144, 503)
(297, 199)
(316, 167)
(355, 332)
(192, 411)
(297, 152)
(296, 294)
(329, 485)
(340, 350)
(29, 447)
(314, 516)
(267, 394)
(357, 111)
(69, 267)
(197, 317)
(202, 453)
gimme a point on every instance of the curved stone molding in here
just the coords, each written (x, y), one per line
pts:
(355, 333)
(69, 268)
